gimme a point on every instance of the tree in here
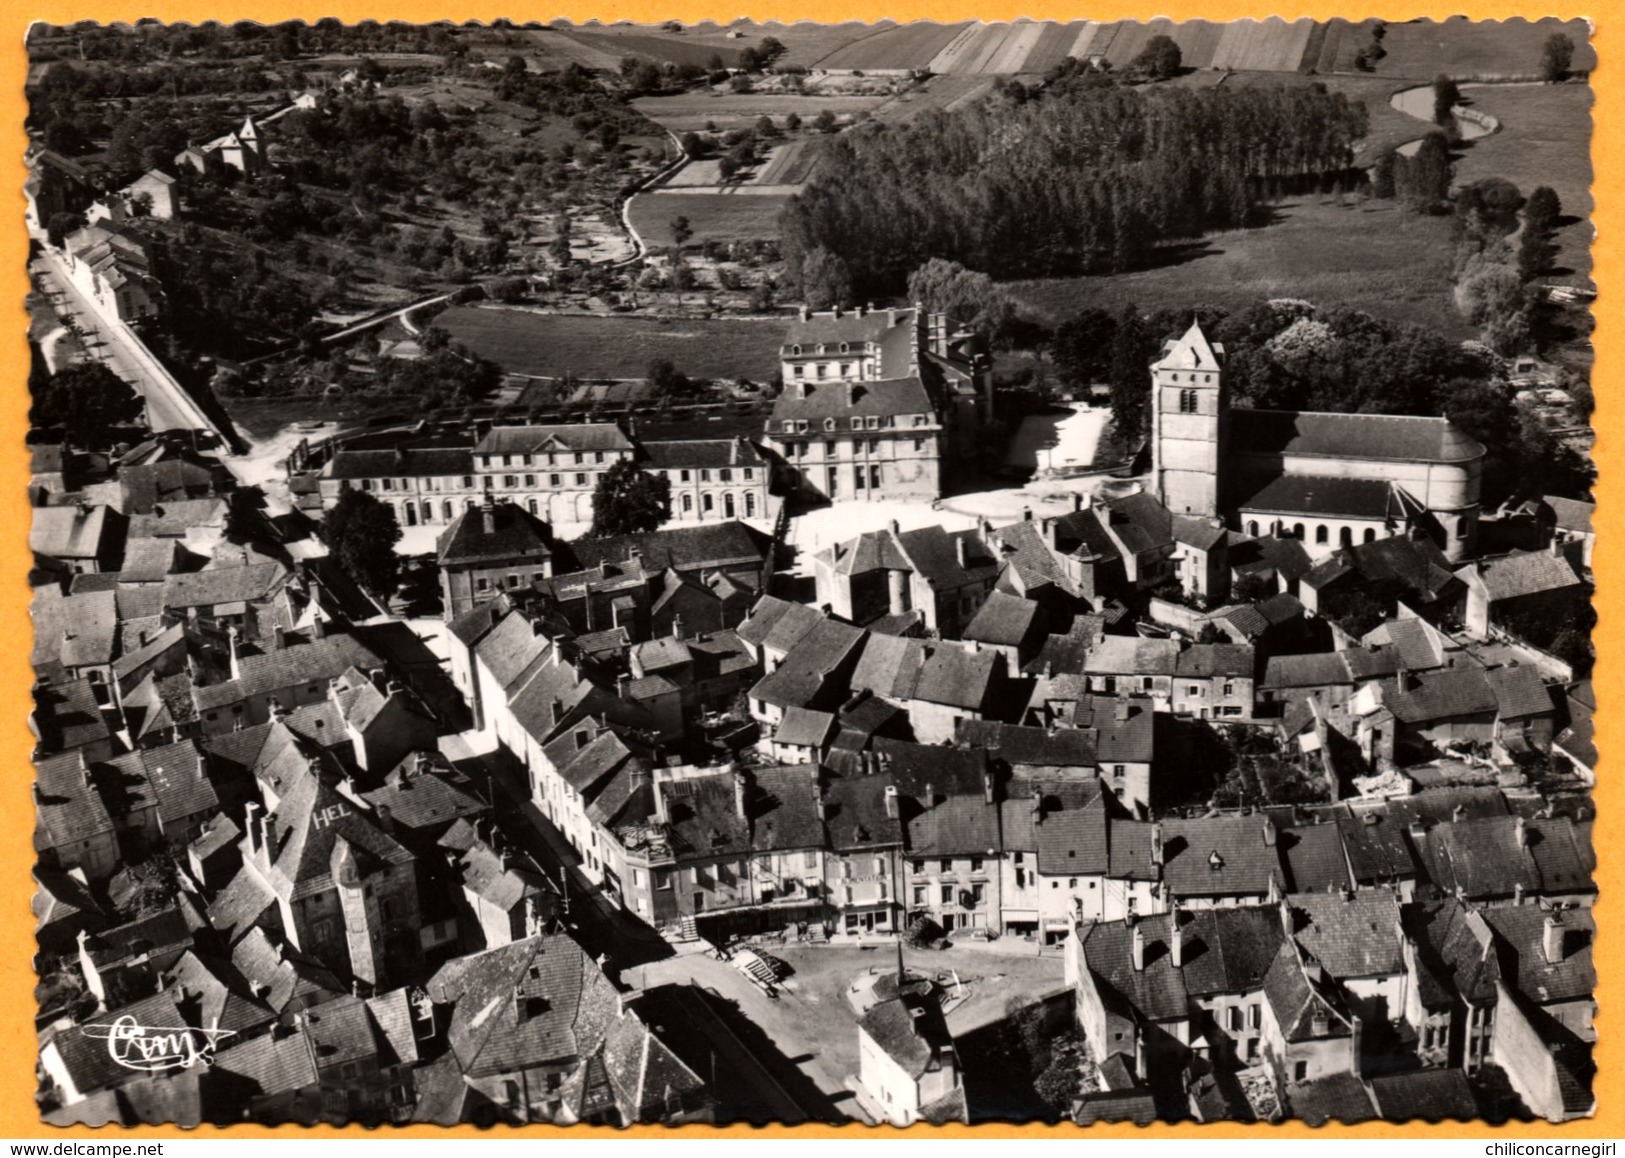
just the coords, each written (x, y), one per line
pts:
(1382, 176)
(628, 501)
(1082, 347)
(765, 128)
(88, 403)
(1130, 374)
(968, 297)
(1536, 243)
(666, 378)
(681, 231)
(1446, 96)
(825, 280)
(824, 122)
(60, 225)
(793, 121)
(361, 533)
(1556, 57)
(1158, 60)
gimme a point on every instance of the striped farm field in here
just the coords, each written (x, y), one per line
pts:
(790, 164)
(904, 48)
(1270, 45)
(1053, 46)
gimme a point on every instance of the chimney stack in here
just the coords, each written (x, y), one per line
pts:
(488, 514)
(1520, 829)
(739, 794)
(987, 787)
(891, 801)
(961, 551)
(1176, 942)
(1269, 832)
(1137, 948)
(1552, 940)
(1156, 843)
(251, 825)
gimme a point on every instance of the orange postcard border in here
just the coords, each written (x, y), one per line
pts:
(19, 1117)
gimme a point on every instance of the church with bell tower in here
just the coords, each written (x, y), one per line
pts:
(1327, 479)
(1190, 412)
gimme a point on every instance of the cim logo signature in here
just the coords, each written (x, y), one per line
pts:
(157, 1049)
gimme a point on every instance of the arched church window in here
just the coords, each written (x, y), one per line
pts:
(1297, 531)
(1252, 528)
(1321, 533)
(1370, 535)
(1345, 538)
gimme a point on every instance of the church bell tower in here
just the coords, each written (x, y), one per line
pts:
(1190, 412)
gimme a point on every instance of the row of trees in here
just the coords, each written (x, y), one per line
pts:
(1496, 259)
(1073, 182)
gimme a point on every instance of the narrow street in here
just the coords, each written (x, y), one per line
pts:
(600, 925)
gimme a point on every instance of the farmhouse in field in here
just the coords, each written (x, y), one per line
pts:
(1328, 480)
(875, 400)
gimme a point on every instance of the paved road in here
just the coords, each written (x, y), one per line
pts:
(169, 407)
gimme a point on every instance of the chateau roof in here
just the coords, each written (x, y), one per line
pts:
(540, 439)
(829, 400)
(1354, 498)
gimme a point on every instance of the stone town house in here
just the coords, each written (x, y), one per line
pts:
(875, 400)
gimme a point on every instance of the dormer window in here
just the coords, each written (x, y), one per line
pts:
(789, 426)
(795, 351)
(829, 424)
(857, 423)
(845, 349)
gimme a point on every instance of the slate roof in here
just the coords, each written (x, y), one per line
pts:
(961, 825)
(1431, 1095)
(515, 535)
(910, 1029)
(1003, 620)
(804, 727)
(1377, 437)
(783, 807)
(1519, 691)
(1245, 864)
(1299, 994)
(699, 454)
(1522, 928)
(1314, 858)
(407, 462)
(1266, 553)
(216, 585)
(68, 532)
(1306, 495)
(703, 820)
(1062, 747)
(856, 815)
(1205, 660)
(777, 624)
(1074, 841)
(309, 823)
(316, 661)
(518, 1006)
(88, 1060)
(1339, 1097)
(802, 676)
(1528, 573)
(1225, 951)
(271, 1063)
(588, 436)
(1315, 670)
(933, 553)
(1353, 935)
(1131, 655)
(1131, 848)
(1571, 515)
(681, 548)
(1445, 694)
(74, 630)
(895, 396)
(1483, 858)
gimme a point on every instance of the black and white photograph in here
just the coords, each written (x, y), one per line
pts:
(895, 574)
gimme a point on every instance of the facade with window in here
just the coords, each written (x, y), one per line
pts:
(712, 480)
(423, 486)
(550, 471)
(875, 400)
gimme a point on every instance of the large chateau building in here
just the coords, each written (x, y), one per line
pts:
(1329, 480)
(874, 400)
